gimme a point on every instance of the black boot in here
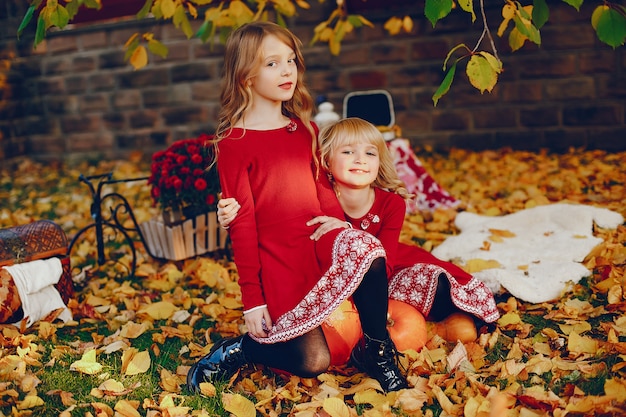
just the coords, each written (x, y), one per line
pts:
(378, 359)
(223, 361)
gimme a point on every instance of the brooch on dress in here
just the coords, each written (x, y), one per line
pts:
(369, 219)
(292, 126)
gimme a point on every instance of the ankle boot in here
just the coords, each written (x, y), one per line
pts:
(224, 359)
(379, 359)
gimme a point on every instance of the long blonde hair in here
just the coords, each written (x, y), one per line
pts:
(354, 130)
(242, 60)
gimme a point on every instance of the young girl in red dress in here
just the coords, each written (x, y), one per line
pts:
(361, 170)
(373, 198)
(266, 149)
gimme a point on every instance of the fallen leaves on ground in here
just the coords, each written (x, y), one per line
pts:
(132, 340)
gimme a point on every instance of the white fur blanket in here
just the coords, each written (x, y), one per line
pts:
(533, 253)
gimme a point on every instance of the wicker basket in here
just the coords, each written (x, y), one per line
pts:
(185, 239)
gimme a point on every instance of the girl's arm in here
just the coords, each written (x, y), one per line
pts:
(234, 180)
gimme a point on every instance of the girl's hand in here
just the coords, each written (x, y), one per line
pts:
(227, 209)
(258, 322)
(326, 225)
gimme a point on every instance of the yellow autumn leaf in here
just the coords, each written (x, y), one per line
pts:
(578, 327)
(160, 310)
(581, 344)
(87, 363)
(132, 330)
(477, 406)
(238, 405)
(411, 400)
(335, 407)
(509, 318)
(476, 265)
(230, 303)
(501, 233)
(370, 396)
(208, 389)
(169, 382)
(168, 8)
(30, 401)
(145, 270)
(139, 57)
(125, 408)
(393, 25)
(407, 25)
(616, 388)
(102, 409)
(619, 325)
(112, 386)
(134, 362)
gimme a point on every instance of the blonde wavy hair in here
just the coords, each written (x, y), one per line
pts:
(242, 60)
(354, 130)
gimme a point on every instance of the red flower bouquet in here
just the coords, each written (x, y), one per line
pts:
(181, 178)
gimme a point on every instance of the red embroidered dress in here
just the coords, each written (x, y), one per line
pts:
(414, 271)
(300, 280)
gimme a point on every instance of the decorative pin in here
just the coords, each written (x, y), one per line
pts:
(368, 220)
(292, 126)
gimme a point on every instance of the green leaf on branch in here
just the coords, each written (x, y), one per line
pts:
(157, 48)
(436, 10)
(240, 13)
(575, 3)
(527, 29)
(26, 20)
(444, 87)
(91, 4)
(181, 21)
(145, 9)
(168, 8)
(72, 8)
(482, 71)
(610, 25)
(540, 14)
(516, 39)
(55, 15)
(468, 6)
(40, 33)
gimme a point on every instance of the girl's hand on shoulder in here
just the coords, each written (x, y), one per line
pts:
(227, 209)
(258, 322)
(326, 225)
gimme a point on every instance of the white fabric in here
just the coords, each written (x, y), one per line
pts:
(544, 255)
(35, 284)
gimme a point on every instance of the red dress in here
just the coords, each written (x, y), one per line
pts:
(414, 271)
(301, 281)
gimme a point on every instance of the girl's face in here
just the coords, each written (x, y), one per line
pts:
(277, 76)
(355, 165)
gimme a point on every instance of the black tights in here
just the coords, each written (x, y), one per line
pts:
(308, 355)
(442, 304)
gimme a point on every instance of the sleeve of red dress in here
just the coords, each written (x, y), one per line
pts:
(327, 197)
(234, 180)
(391, 226)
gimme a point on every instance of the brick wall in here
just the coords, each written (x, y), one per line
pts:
(75, 97)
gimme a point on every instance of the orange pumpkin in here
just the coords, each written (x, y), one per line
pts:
(457, 327)
(406, 326)
(342, 331)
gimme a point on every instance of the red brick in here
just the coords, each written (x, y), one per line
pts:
(126, 99)
(368, 80)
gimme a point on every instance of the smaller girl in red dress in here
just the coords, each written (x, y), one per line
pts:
(373, 198)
